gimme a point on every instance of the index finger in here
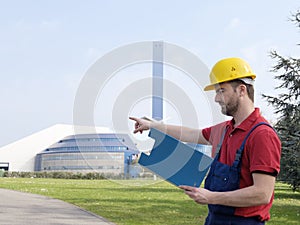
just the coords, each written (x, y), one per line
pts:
(133, 118)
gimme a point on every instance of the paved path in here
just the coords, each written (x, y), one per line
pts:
(18, 208)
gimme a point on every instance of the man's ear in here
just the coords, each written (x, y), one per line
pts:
(242, 90)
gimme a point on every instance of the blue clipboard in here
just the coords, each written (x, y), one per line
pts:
(175, 161)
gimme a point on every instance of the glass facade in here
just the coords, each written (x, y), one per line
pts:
(89, 148)
(103, 153)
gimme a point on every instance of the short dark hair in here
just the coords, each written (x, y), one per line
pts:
(250, 88)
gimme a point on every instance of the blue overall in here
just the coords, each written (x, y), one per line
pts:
(222, 177)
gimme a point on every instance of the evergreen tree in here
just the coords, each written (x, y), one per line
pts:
(287, 107)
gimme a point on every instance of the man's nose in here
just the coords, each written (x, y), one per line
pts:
(217, 97)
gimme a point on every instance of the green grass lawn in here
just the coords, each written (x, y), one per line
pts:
(143, 202)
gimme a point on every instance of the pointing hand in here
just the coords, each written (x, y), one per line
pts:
(140, 124)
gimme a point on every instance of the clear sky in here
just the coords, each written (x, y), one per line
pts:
(47, 46)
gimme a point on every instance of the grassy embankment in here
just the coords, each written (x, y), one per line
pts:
(143, 202)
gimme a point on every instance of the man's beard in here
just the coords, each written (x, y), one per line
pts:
(231, 107)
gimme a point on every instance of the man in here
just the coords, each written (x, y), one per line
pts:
(239, 188)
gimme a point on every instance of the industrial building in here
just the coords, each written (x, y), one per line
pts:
(58, 148)
(106, 153)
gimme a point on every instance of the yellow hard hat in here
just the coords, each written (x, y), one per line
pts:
(229, 69)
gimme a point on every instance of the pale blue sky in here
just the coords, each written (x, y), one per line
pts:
(47, 46)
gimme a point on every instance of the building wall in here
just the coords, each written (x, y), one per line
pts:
(108, 153)
(20, 155)
(102, 162)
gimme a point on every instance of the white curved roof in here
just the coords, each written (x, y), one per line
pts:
(21, 154)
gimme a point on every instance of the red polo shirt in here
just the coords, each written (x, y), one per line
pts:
(261, 154)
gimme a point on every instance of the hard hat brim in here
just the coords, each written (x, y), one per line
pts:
(210, 87)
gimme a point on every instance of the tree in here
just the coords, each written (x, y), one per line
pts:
(287, 106)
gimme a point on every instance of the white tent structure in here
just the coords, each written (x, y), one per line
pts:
(20, 155)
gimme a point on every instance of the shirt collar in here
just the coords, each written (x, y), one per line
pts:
(248, 122)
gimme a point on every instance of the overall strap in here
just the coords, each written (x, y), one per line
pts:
(239, 152)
